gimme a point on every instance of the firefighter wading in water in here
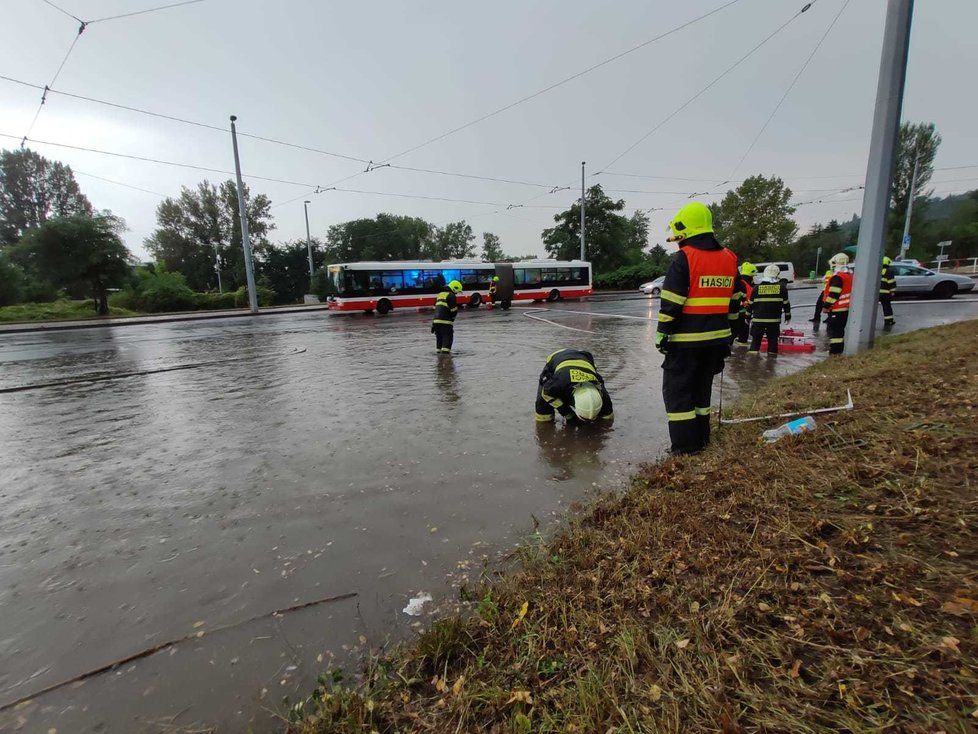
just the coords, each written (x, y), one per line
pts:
(571, 384)
(443, 324)
(698, 306)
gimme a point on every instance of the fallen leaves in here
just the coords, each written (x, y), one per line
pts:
(520, 697)
(960, 606)
(520, 615)
(683, 643)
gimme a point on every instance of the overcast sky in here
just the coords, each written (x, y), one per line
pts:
(372, 79)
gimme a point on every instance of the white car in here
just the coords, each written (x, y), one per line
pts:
(653, 287)
(913, 280)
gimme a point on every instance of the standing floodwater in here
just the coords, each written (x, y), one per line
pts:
(143, 509)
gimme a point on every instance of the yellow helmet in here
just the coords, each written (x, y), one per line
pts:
(886, 260)
(455, 287)
(693, 219)
(587, 401)
(748, 268)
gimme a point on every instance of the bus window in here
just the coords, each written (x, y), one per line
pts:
(533, 277)
(434, 280)
(413, 280)
(356, 282)
(392, 281)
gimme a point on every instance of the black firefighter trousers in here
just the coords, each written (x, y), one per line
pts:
(687, 387)
(837, 331)
(444, 336)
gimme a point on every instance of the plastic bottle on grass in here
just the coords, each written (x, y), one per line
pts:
(791, 428)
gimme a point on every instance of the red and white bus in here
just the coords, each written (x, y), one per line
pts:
(385, 286)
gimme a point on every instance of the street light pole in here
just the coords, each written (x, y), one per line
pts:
(905, 242)
(876, 197)
(243, 214)
(305, 205)
(217, 268)
(583, 196)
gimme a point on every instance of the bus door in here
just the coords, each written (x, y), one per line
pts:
(504, 288)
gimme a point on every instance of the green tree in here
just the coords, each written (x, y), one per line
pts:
(11, 282)
(79, 253)
(285, 269)
(201, 228)
(916, 139)
(451, 242)
(492, 250)
(612, 239)
(385, 237)
(34, 189)
(755, 219)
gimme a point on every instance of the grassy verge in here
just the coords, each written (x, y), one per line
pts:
(823, 583)
(57, 311)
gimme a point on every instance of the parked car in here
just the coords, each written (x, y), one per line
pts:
(653, 287)
(909, 261)
(913, 280)
(787, 270)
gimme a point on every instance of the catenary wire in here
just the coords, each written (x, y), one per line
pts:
(119, 183)
(787, 91)
(705, 89)
(560, 83)
(144, 12)
(62, 10)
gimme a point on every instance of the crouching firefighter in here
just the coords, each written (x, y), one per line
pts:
(571, 384)
(443, 324)
(770, 301)
(837, 299)
(698, 304)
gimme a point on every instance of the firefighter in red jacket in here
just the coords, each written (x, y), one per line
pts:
(698, 305)
(744, 290)
(837, 297)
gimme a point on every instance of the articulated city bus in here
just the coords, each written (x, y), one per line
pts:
(384, 286)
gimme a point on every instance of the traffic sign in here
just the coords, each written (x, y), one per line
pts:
(906, 240)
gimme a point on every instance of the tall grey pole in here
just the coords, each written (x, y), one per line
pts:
(583, 197)
(305, 205)
(879, 174)
(905, 242)
(243, 214)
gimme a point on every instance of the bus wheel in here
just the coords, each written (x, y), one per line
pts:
(474, 300)
(554, 295)
(384, 307)
(506, 305)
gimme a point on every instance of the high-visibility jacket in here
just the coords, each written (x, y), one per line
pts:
(446, 308)
(825, 283)
(770, 301)
(565, 370)
(700, 294)
(887, 282)
(744, 291)
(839, 292)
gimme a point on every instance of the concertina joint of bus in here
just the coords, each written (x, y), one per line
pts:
(384, 286)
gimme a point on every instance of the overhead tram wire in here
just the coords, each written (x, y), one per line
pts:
(706, 88)
(119, 183)
(784, 96)
(560, 83)
(82, 25)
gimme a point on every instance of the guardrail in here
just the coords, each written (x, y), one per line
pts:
(957, 263)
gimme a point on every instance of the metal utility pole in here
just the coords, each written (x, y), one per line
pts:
(305, 205)
(818, 255)
(583, 196)
(243, 214)
(876, 198)
(905, 242)
(217, 268)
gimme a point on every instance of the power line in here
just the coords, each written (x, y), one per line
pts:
(553, 86)
(469, 175)
(705, 89)
(143, 12)
(119, 183)
(62, 10)
(160, 161)
(787, 91)
(182, 120)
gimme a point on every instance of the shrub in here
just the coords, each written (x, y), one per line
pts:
(214, 301)
(11, 282)
(164, 292)
(628, 276)
(322, 286)
(266, 296)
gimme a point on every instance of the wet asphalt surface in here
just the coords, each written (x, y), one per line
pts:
(322, 455)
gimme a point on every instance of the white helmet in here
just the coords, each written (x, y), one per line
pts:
(839, 260)
(772, 272)
(587, 401)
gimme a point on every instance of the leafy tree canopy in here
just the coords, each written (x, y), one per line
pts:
(79, 252)
(34, 189)
(492, 250)
(611, 239)
(754, 220)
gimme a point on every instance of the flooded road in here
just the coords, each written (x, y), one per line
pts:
(317, 456)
